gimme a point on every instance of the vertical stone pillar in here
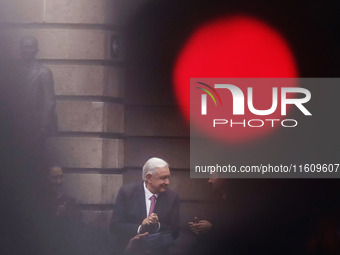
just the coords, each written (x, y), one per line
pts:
(80, 43)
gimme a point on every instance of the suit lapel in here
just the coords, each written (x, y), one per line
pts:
(159, 207)
(141, 206)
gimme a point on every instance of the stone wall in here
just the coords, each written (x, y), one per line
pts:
(104, 134)
(75, 42)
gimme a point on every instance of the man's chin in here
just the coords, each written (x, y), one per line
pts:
(163, 189)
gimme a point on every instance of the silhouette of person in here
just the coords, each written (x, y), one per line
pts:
(64, 205)
(37, 81)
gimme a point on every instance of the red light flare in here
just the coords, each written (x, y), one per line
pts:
(233, 47)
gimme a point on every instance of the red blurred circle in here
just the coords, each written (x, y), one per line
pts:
(233, 47)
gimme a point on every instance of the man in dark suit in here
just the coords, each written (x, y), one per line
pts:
(148, 206)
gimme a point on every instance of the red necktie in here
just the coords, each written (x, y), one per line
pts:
(152, 205)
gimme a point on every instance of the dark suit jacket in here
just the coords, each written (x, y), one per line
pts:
(130, 211)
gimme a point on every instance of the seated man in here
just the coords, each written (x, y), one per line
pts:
(208, 230)
(204, 226)
(255, 216)
(148, 206)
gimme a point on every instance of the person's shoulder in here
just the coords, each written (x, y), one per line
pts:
(131, 186)
(43, 70)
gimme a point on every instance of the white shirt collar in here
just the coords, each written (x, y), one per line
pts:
(148, 193)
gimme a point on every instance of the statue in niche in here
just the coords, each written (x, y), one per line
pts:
(38, 86)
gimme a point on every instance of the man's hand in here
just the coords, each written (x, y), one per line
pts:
(153, 218)
(135, 242)
(201, 227)
(150, 223)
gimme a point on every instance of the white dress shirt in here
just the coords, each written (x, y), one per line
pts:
(148, 194)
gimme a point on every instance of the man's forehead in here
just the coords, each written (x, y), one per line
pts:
(163, 170)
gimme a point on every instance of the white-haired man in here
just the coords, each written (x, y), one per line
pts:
(148, 206)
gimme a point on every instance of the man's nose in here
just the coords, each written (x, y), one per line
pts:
(167, 181)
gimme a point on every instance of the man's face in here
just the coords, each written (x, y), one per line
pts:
(28, 48)
(217, 183)
(56, 177)
(159, 182)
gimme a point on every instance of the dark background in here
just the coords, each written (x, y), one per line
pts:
(154, 34)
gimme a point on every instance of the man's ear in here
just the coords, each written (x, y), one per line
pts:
(148, 177)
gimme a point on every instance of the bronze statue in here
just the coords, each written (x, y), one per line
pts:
(39, 89)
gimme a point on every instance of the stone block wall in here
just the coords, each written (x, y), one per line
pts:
(60, 12)
(75, 42)
(105, 135)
